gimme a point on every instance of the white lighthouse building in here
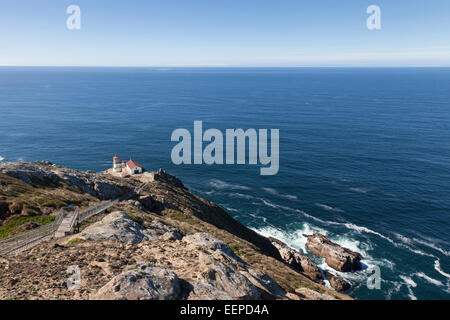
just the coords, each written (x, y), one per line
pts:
(116, 164)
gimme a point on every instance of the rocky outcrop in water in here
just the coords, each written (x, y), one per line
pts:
(337, 257)
(297, 261)
(337, 283)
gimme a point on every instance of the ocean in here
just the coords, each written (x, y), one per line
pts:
(364, 152)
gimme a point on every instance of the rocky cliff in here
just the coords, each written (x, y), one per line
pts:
(166, 243)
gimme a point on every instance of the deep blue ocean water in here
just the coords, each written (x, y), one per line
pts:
(364, 153)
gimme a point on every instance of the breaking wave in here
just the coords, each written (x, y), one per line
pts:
(1, 158)
(294, 239)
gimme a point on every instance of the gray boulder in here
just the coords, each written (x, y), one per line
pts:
(222, 279)
(209, 242)
(172, 235)
(142, 282)
(117, 226)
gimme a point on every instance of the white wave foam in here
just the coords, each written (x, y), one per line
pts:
(219, 184)
(240, 195)
(269, 204)
(429, 244)
(437, 267)
(296, 240)
(328, 208)
(408, 281)
(350, 226)
(403, 238)
(429, 279)
(409, 284)
(231, 209)
(432, 246)
(361, 229)
(276, 193)
(258, 217)
(1, 158)
(293, 239)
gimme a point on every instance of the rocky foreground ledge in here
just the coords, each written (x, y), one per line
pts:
(166, 243)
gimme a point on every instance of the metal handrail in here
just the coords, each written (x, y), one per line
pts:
(16, 242)
(74, 219)
(91, 211)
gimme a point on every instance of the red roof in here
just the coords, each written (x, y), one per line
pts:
(133, 164)
(116, 157)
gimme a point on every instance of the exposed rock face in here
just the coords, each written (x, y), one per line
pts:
(337, 257)
(117, 226)
(337, 282)
(172, 235)
(224, 275)
(209, 242)
(218, 274)
(308, 294)
(171, 179)
(151, 204)
(141, 282)
(297, 261)
(44, 173)
(221, 277)
(167, 193)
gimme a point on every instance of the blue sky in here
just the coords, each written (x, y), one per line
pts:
(225, 33)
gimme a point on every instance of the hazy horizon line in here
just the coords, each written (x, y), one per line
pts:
(226, 66)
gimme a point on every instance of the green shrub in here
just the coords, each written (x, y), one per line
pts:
(75, 240)
(181, 216)
(45, 202)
